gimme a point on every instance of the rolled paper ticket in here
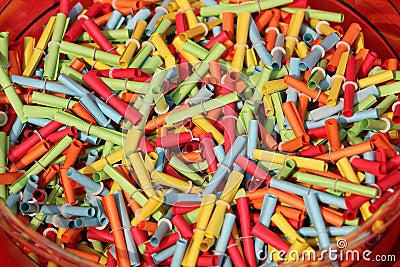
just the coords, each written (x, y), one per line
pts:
(168, 180)
(137, 163)
(96, 188)
(244, 218)
(314, 212)
(376, 79)
(42, 163)
(117, 230)
(193, 250)
(204, 124)
(336, 185)
(154, 202)
(269, 237)
(38, 51)
(293, 32)
(222, 241)
(221, 206)
(303, 88)
(12, 95)
(243, 22)
(306, 163)
(51, 63)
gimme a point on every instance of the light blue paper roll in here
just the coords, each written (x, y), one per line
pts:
(160, 159)
(84, 137)
(164, 226)
(86, 222)
(277, 54)
(151, 26)
(78, 89)
(326, 83)
(163, 254)
(12, 200)
(302, 191)
(180, 249)
(369, 177)
(93, 109)
(327, 111)
(209, 2)
(267, 210)
(113, 21)
(100, 212)
(107, 110)
(219, 152)
(173, 196)
(258, 44)
(61, 222)
(316, 218)
(357, 116)
(29, 208)
(308, 39)
(74, 12)
(92, 157)
(88, 183)
(305, 29)
(223, 239)
(217, 29)
(315, 55)
(16, 131)
(142, 14)
(252, 138)
(332, 231)
(227, 262)
(204, 94)
(123, 215)
(41, 84)
(223, 169)
(76, 211)
(295, 72)
(30, 186)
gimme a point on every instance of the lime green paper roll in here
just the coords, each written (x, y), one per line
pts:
(141, 56)
(366, 103)
(72, 49)
(3, 162)
(152, 64)
(111, 35)
(389, 89)
(103, 133)
(369, 124)
(250, 7)
(8, 88)
(183, 90)
(317, 14)
(336, 184)
(195, 49)
(51, 63)
(39, 112)
(41, 164)
(3, 49)
(386, 103)
(52, 101)
(205, 107)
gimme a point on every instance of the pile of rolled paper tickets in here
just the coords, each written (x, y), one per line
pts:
(196, 133)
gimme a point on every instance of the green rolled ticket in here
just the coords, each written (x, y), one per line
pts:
(200, 108)
(366, 103)
(43, 162)
(3, 49)
(51, 63)
(52, 101)
(51, 200)
(186, 86)
(185, 170)
(386, 103)
(8, 88)
(129, 188)
(111, 35)
(389, 89)
(250, 7)
(317, 14)
(39, 112)
(72, 49)
(103, 133)
(195, 49)
(336, 184)
(73, 74)
(152, 64)
(377, 125)
(3, 162)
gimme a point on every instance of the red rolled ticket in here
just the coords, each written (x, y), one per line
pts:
(269, 237)
(244, 217)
